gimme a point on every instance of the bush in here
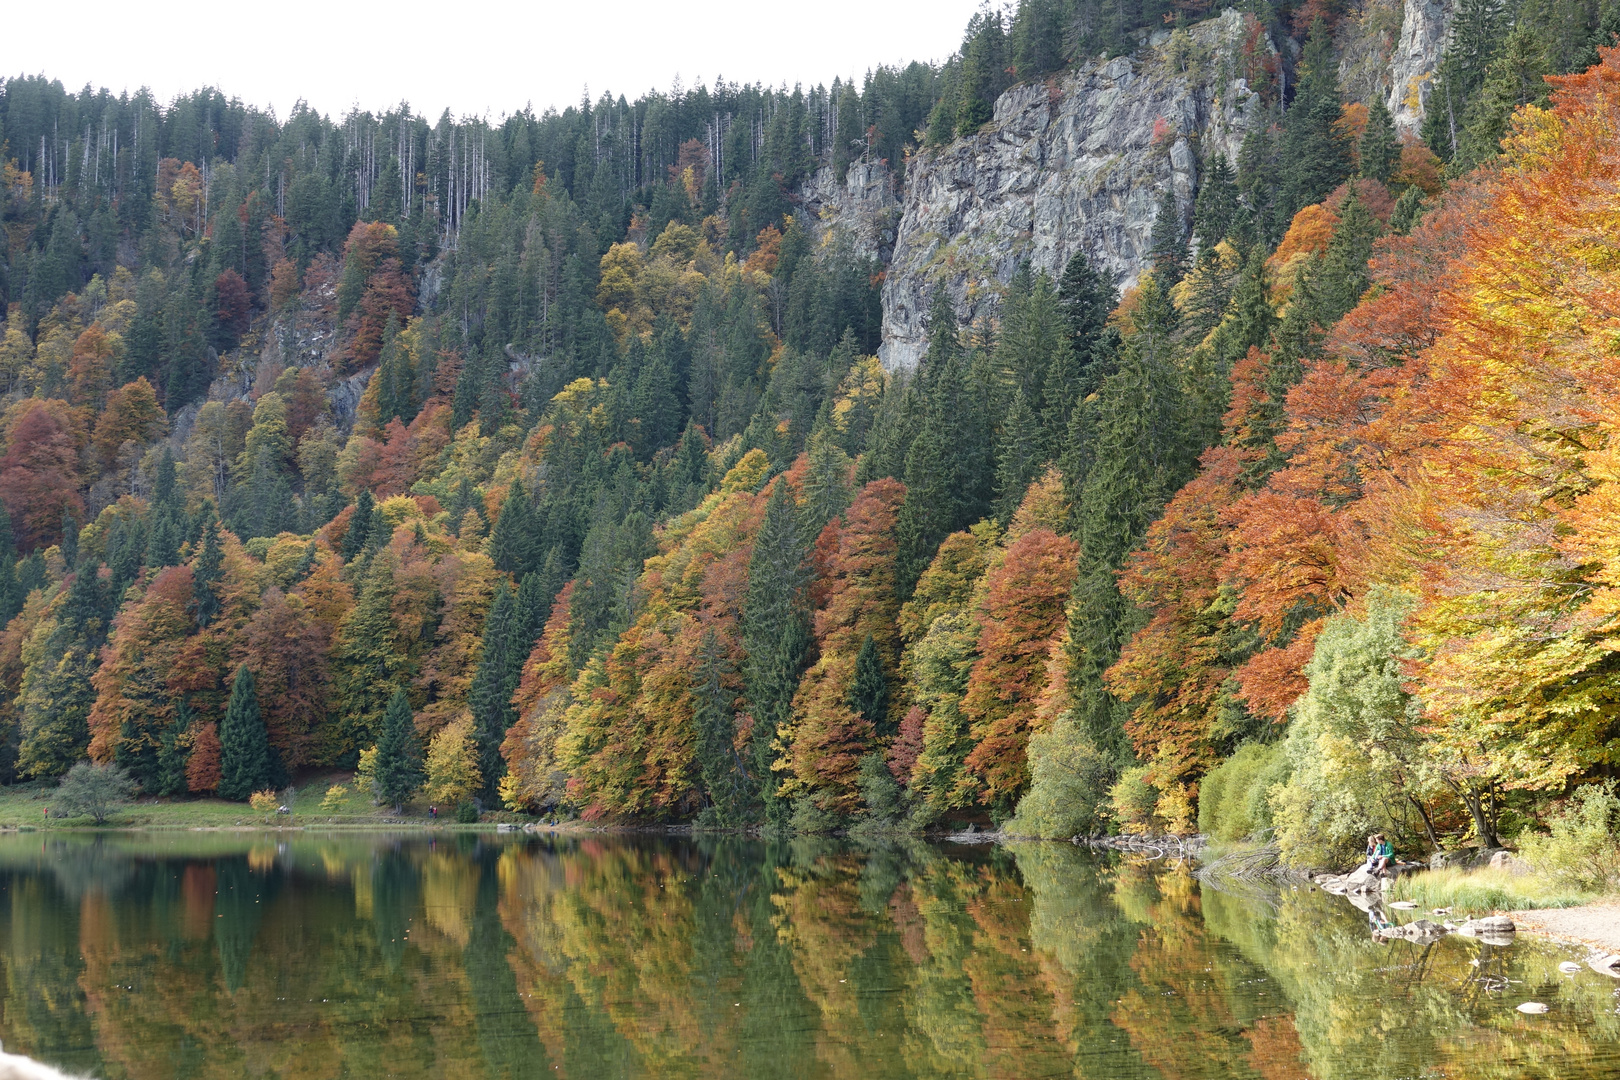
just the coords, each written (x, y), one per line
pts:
(1135, 800)
(333, 802)
(265, 802)
(1233, 799)
(94, 791)
(1068, 791)
(1581, 848)
(466, 813)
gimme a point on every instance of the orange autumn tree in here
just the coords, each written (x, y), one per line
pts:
(631, 738)
(1022, 614)
(826, 738)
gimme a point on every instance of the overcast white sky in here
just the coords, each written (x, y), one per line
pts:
(472, 57)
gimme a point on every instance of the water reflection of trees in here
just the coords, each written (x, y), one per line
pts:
(727, 957)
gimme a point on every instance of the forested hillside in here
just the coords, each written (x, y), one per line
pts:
(549, 460)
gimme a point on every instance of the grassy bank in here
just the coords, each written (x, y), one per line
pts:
(1485, 889)
(24, 806)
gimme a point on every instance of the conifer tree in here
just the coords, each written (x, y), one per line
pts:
(1018, 457)
(1379, 151)
(512, 543)
(1168, 249)
(56, 693)
(1314, 153)
(11, 595)
(726, 781)
(1142, 456)
(244, 747)
(170, 778)
(775, 633)
(360, 525)
(1216, 208)
(869, 691)
(207, 571)
(490, 698)
(398, 767)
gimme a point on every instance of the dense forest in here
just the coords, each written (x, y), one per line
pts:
(547, 462)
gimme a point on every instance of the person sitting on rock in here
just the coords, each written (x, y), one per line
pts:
(1383, 855)
(1372, 851)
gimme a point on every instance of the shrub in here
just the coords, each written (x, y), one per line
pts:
(466, 814)
(1233, 799)
(1581, 848)
(1135, 800)
(93, 790)
(265, 802)
(1068, 791)
(333, 802)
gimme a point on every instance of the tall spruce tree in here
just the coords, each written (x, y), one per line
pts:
(869, 690)
(775, 635)
(490, 697)
(244, 746)
(732, 792)
(1142, 457)
(1314, 150)
(360, 525)
(398, 768)
(512, 543)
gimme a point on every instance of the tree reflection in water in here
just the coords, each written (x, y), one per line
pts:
(599, 956)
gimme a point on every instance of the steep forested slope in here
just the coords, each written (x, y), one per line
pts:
(567, 435)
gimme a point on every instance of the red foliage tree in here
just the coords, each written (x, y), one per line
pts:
(1023, 613)
(39, 472)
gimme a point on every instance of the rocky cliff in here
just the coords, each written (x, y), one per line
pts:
(1080, 163)
(1423, 37)
(1076, 163)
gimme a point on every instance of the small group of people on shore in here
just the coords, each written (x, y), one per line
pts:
(1380, 854)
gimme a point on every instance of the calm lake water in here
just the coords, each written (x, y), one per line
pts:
(230, 955)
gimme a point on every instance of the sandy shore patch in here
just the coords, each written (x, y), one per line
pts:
(1593, 924)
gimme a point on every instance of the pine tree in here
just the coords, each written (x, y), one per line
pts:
(512, 543)
(775, 633)
(1380, 151)
(398, 768)
(730, 789)
(245, 763)
(11, 594)
(1473, 33)
(1168, 245)
(1314, 152)
(56, 693)
(360, 525)
(170, 779)
(490, 697)
(1216, 209)
(1142, 457)
(70, 539)
(869, 692)
(1018, 457)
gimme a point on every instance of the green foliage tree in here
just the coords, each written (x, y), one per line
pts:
(397, 771)
(94, 791)
(245, 761)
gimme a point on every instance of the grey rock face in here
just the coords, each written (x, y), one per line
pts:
(863, 211)
(1077, 164)
(1417, 57)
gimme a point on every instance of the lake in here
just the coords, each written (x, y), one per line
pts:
(304, 955)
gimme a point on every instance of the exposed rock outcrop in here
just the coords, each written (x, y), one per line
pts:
(1423, 39)
(1078, 163)
(863, 211)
